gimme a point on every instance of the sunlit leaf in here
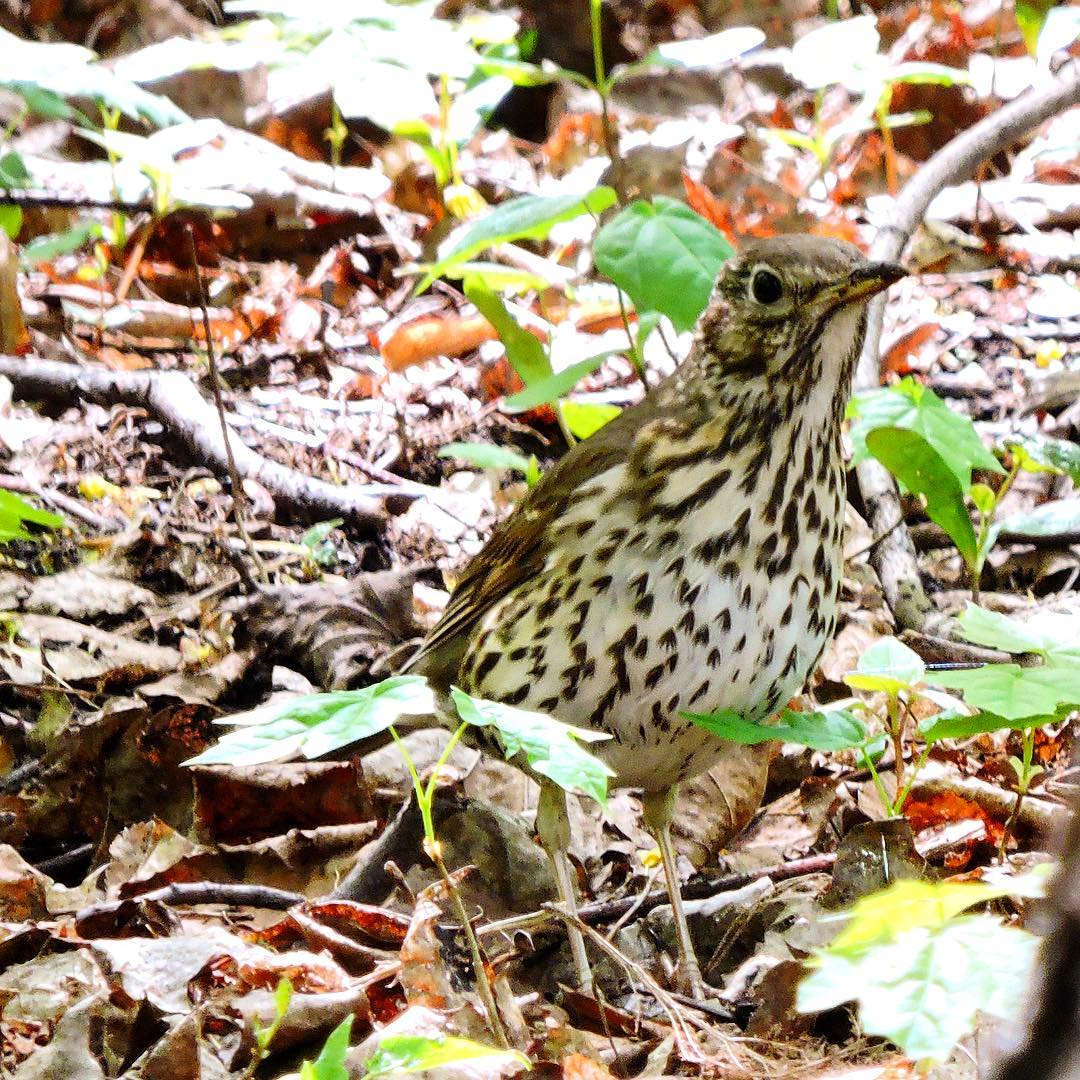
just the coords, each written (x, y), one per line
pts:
(16, 513)
(314, 724)
(664, 255)
(838, 730)
(585, 418)
(1012, 691)
(330, 1064)
(914, 407)
(403, 1054)
(550, 747)
(888, 666)
(529, 217)
(922, 470)
(526, 354)
(554, 386)
(488, 456)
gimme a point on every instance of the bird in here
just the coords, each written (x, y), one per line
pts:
(684, 558)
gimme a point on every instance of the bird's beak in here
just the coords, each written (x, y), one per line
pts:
(868, 280)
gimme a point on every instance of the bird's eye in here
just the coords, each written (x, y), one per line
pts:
(766, 287)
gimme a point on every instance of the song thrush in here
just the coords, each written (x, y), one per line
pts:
(685, 557)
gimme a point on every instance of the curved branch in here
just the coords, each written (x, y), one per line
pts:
(189, 420)
(894, 557)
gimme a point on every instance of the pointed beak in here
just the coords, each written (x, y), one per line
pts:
(868, 280)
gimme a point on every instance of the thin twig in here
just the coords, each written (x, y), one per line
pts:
(239, 496)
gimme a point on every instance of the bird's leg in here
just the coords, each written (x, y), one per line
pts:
(553, 825)
(659, 808)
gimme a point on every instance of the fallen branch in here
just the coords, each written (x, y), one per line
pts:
(189, 420)
(894, 558)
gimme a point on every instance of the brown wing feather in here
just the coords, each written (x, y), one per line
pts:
(517, 548)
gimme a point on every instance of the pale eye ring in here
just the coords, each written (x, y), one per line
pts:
(765, 287)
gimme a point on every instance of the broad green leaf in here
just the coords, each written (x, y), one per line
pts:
(921, 469)
(888, 666)
(397, 1054)
(1053, 635)
(914, 407)
(16, 513)
(550, 746)
(984, 498)
(315, 724)
(585, 418)
(1011, 691)
(924, 989)
(956, 725)
(555, 386)
(997, 631)
(13, 172)
(529, 217)
(11, 219)
(840, 730)
(489, 456)
(1049, 454)
(330, 1064)
(664, 256)
(523, 350)
(46, 248)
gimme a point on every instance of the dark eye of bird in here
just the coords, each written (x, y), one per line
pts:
(766, 287)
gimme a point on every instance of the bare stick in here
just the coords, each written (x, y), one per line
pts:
(894, 558)
(172, 399)
(239, 496)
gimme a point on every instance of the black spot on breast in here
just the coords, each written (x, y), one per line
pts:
(668, 640)
(575, 565)
(486, 666)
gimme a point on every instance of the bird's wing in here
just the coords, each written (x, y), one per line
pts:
(518, 548)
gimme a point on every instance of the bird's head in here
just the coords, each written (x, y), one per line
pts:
(791, 310)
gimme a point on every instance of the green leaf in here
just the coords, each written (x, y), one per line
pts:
(585, 418)
(318, 532)
(888, 666)
(523, 350)
(1053, 635)
(951, 724)
(13, 172)
(489, 456)
(923, 73)
(417, 1053)
(16, 513)
(315, 724)
(11, 219)
(1040, 452)
(1011, 691)
(496, 276)
(553, 387)
(330, 1064)
(1031, 17)
(664, 256)
(550, 746)
(922, 470)
(529, 217)
(839, 730)
(46, 248)
(984, 498)
(914, 407)
(924, 989)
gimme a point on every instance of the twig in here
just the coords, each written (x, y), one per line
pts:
(172, 399)
(894, 558)
(239, 496)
